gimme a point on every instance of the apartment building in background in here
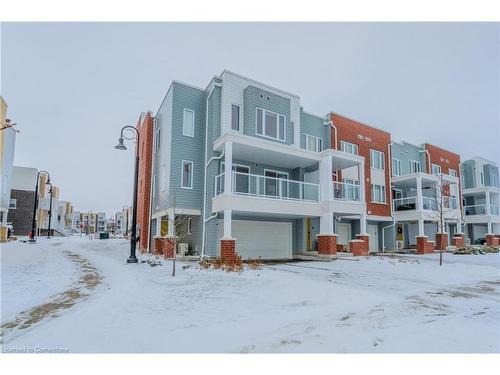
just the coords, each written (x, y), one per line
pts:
(481, 197)
(22, 199)
(91, 222)
(7, 147)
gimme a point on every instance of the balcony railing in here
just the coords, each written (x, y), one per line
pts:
(481, 209)
(450, 202)
(405, 204)
(428, 203)
(345, 191)
(495, 209)
(269, 187)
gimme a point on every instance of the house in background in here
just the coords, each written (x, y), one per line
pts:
(419, 175)
(481, 197)
(22, 199)
(7, 147)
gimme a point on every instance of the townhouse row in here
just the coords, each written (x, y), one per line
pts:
(250, 172)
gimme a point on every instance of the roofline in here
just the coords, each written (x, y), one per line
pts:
(451, 152)
(259, 83)
(480, 157)
(360, 122)
(312, 114)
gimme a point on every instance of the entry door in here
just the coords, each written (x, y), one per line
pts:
(309, 233)
(373, 232)
(344, 233)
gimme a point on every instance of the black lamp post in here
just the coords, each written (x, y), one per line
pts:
(133, 239)
(125, 208)
(35, 205)
(50, 212)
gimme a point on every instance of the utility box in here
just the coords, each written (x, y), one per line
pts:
(182, 249)
(104, 236)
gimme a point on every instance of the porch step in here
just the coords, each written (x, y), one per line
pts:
(314, 256)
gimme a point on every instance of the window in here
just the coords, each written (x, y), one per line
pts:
(189, 225)
(396, 167)
(157, 138)
(154, 185)
(13, 204)
(378, 193)
(314, 143)
(188, 123)
(235, 117)
(414, 166)
(270, 124)
(187, 174)
(436, 169)
(377, 159)
(452, 172)
(350, 148)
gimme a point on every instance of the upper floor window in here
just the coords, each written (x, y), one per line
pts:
(350, 148)
(452, 172)
(414, 166)
(436, 169)
(377, 159)
(187, 174)
(396, 167)
(13, 204)
(188, 123)
(157, 139)
(378, 193)
(235, 117)
(314, 143)
(270, 124)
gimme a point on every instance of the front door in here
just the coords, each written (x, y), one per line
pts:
(309, 234)
(373, 232)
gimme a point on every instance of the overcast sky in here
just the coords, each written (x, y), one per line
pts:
(72, 86)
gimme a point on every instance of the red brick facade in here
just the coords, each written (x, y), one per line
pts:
(145, 128)
(358, 248)
(424, 246)
(458, 240)
(441, 241)
(327, 244)
(492, 240)
(228, 250)
(366, 138)
(446, 160)
(164, 246)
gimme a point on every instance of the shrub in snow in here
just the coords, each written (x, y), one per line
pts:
(476, 250)
(231, 265)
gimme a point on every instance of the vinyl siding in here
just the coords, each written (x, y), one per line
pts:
(313, 125)
(406, 152)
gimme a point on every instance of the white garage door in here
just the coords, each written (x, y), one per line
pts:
(265, 239)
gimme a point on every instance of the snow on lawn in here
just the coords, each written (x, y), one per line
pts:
(376, 304)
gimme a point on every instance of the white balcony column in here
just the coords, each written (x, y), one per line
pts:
(361, 176)
(362, 224)
(419, 205)
(325, 178)
(171, 224)
(227, 224)
(421, 230)
(228, 168)
(158, 226)
(326, 223)
(488, 204)
(490, 227)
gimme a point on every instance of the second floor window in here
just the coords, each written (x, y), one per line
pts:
(13, 204)
(188, 123)
(414, 166)
(187, 174)
(270, 124)
(314, 143)
(436, 169)
(348, 147)
(378, 193)
(396, 167)
(377, 160)
(235, 117)
(452, 172)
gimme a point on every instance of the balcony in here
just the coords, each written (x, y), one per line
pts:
(428, 203)
(482, 209)
(269, 187)
(346, 191)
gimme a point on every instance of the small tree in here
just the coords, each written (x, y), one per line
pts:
(440, 206)
(180, 230)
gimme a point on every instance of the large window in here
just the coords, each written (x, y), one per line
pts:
(157, 138)
(187, 174)
(452, 172)
(350, 148)
(13, 204)
(396, 167)
(270, 124)
(378, 193)
(414, 166)
(436, 169)
(235, 117)
(188, 123)
(377, 159)
(314, 143)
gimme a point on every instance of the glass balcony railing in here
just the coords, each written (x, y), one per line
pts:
(345, 191)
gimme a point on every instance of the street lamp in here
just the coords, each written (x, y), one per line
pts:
(125, 208)
(121, 146)
(50, 211)
(35, 205)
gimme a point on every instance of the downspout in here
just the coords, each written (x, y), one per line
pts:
(429, 161)
(335, 129)
(390, 198)
(207, 163)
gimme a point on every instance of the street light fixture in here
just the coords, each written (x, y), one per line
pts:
(121, 146)
(51, 191)
(35, 205)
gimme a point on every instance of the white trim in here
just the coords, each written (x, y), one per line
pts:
(182, 174)
(353, 146)
(316, 142)
(399, 164)
(438, 167)
(264, 125)
(184, 110)
(382, 195)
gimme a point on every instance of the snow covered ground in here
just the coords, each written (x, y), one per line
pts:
(376, 304)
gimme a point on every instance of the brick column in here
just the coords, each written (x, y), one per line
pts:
(228, 250)
(165, 246)
(441, 241)
(491, 240)
(424, 246)
(358, 248)
(327, 244)
(458, 240)
(366, 240)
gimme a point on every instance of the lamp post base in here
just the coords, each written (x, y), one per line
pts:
(132, 260)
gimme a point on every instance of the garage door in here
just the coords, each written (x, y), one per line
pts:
(373, 232)
(265, 239)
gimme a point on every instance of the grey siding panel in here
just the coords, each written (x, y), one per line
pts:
(468, 175)
(276, 103)
(406, 152)
(490, 175)
(313, 125)
(187, 148)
